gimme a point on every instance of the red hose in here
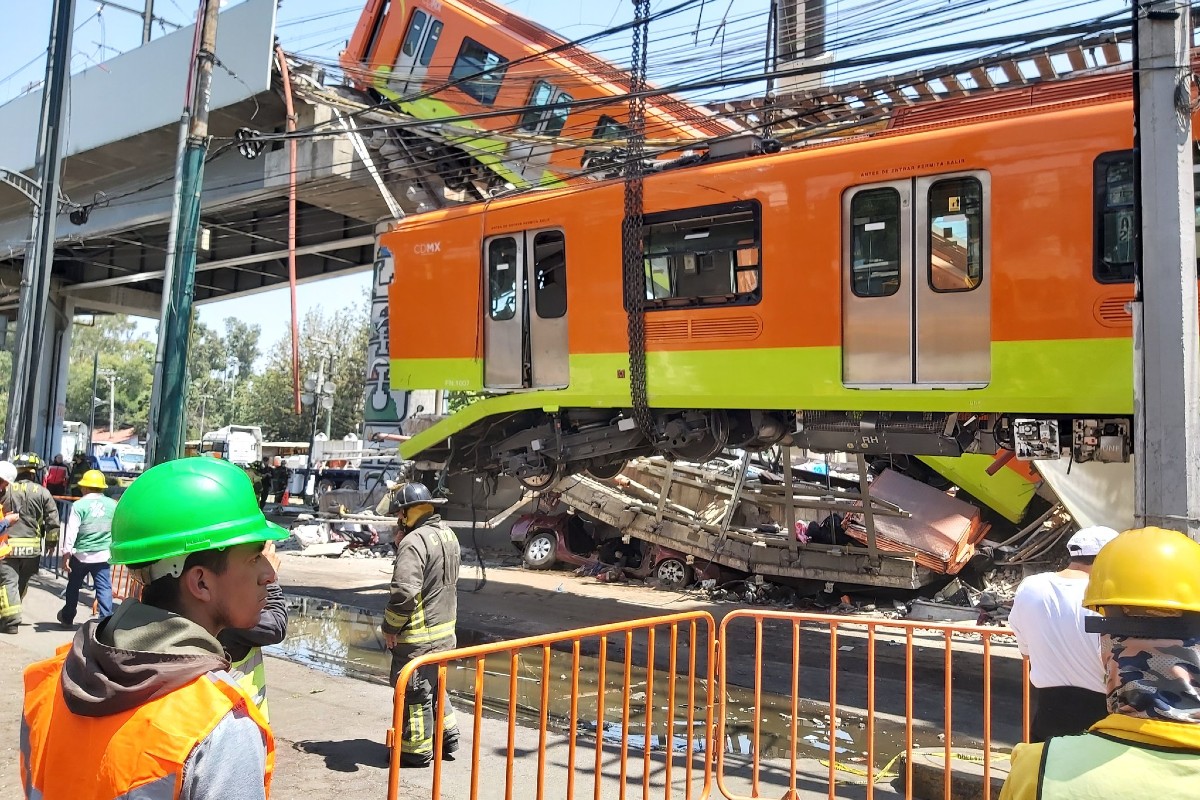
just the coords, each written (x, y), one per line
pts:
(291, 242)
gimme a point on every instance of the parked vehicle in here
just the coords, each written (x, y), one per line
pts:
(552, 535)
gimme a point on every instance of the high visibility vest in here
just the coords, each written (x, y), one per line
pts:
(1098, 766)
(251, 675)
(64, 755)
(95, 522)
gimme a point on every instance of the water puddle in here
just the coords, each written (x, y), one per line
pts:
(343, 640)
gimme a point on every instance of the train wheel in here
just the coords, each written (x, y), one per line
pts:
(546, 476)
(605, 471)
(709, 445)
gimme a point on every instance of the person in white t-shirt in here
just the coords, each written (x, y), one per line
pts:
(1065, 665)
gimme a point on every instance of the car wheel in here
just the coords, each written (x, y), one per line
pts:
(672, 573)
(541, 551)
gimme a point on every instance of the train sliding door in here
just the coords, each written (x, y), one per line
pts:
(525, 314)
(916, 297)
(416, 52)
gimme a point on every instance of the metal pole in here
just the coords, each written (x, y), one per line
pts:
(95, 388)
(39, 255)
(1166, 365)
(112, 404)
(170, 382)
(147, 21)
(868, 506)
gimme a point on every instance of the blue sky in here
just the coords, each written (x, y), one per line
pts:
(689, 44)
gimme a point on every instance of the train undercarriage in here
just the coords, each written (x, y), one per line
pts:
(538, 448)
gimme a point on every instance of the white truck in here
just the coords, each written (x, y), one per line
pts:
(239, 444)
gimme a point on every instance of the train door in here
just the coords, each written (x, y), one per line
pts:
(416, 52)
(525, 313)
(916, 296)
(546, 116)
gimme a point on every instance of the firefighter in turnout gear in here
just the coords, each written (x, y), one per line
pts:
(421, 615)
(36, 529)
(1145, 584)
(10, 593)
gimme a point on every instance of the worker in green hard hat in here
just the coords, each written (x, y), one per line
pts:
(153, 678)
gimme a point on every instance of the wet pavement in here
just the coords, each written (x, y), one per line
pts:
(346, 641)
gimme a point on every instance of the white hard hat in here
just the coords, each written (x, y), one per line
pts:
(8, 471)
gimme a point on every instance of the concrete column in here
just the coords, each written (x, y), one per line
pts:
(1166, 367)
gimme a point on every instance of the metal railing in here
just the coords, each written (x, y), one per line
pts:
(872, 690)
(793, 703)
(671, 723)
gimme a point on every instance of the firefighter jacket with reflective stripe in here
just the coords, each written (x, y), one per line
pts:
(139, 753)
(423, 607)
(251, 674)
(38, 513)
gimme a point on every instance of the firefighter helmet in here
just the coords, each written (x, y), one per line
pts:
(27, 462)
(406, 495)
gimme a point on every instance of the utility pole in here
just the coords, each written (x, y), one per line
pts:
(95, 381)
(111, 377)
(39, 254)
(170, 377)
(147, 21)
(1166, 367)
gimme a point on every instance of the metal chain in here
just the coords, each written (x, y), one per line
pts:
(633, 263)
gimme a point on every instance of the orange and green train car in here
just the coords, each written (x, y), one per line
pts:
(471, 61)
(940, 289)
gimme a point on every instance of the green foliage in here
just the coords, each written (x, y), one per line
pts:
(332, 345)
(228, 381)
(122, 354)
(457, 401)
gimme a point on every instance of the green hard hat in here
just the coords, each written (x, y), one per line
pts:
(185, 506)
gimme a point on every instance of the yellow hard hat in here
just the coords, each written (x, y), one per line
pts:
(1148, 568)
(93, 479)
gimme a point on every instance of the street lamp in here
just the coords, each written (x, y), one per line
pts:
(318, 394)
(111, 375)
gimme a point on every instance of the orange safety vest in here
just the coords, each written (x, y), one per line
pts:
(64, 755)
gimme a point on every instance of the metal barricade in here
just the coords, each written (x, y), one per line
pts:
(124, 584)
(851, 697)
(657, 733)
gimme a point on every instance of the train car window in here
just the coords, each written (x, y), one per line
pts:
(703, 256)
(609, 128)
(376, 26)
(1114, 223)
(875, 243)
(955, 235)
(1114, 218)
(550, 274)
(416, 29)
(479, 71)
(545, 121)
(503, 269)
(435, 33)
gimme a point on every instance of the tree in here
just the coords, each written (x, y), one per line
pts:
(124, 353)
(335, 344)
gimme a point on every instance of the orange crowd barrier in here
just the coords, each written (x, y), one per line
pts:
(124, 584)
(776, 704)
(850, 699)
(544, 714)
